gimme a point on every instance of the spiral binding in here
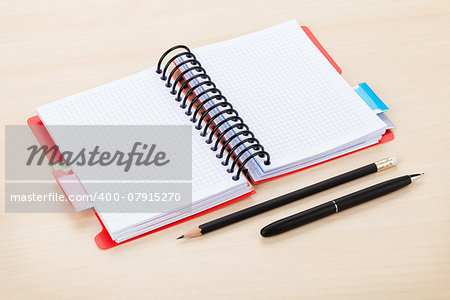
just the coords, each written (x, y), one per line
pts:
(200, 113)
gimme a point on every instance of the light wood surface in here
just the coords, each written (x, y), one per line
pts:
(395, 247)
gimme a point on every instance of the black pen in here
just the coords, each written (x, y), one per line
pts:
(337, 205)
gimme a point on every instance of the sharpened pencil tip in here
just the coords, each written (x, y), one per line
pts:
(180, 237)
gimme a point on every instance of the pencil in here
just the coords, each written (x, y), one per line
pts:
(290, 197)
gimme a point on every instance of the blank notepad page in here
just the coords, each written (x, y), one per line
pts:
(294, 101)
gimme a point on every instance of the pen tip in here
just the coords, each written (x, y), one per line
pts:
(414, 177)
(180, 237)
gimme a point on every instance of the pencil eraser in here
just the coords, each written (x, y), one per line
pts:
(394, 160)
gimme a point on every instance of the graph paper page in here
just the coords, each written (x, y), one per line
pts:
(292, 98)
(139, 99)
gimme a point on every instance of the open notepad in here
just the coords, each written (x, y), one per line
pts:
(284, 107)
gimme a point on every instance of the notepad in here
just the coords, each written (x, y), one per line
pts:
(140, 100)
(283, 107)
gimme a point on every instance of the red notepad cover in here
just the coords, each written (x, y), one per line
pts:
(104, 240)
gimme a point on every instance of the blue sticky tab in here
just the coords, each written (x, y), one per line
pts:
(366, 93)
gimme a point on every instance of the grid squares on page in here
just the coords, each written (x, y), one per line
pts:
(287, 92)
(140, 99)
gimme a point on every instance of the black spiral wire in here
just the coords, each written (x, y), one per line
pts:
(200, 113)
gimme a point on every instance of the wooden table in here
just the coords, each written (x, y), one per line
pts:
(395, 247)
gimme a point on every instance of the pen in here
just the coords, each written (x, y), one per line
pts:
(254, 210)
(337, 205)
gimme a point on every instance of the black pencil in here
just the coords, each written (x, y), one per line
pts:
(290, 197)
(332, 207)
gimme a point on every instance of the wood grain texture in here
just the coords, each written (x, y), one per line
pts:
(395, 247)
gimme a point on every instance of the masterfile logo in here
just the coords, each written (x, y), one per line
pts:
(119, 168)
(140, 154)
